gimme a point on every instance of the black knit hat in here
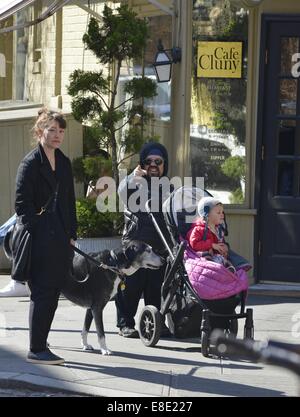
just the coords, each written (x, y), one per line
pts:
(147, 150)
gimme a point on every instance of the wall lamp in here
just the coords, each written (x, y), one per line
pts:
(163, 62)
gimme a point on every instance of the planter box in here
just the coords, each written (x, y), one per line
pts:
(98, 244)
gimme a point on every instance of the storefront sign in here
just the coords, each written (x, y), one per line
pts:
(219, 59)
(2, 66)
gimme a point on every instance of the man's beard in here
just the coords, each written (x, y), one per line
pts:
(154, 173)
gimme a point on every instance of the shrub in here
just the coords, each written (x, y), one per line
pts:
(92, 223)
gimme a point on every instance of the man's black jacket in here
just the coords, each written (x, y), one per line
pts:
(138, 224)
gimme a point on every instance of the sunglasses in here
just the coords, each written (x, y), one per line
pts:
(157, 162)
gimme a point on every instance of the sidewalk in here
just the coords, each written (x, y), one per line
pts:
(172, 368)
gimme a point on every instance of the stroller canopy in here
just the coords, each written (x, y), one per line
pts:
(180, 209)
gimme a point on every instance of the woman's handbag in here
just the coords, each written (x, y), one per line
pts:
(19, 240)
(20, 252)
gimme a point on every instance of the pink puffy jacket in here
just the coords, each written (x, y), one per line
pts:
(212, 281)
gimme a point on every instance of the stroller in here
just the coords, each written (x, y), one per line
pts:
(187, 314)
(6, 227)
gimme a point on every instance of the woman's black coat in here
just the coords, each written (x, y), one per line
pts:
(51, 232)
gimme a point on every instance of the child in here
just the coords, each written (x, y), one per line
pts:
(207, 232)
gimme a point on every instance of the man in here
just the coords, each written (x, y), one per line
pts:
(138, 225)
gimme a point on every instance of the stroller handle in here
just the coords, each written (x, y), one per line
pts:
(267, 352)
(147, 206)
(163, 239)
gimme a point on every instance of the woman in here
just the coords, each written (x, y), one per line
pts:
(45, 175)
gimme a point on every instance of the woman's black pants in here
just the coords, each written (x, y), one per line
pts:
(43, 304)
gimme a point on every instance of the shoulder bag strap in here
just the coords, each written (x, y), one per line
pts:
(51, 199)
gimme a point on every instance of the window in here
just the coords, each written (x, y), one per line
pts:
(21, 55)
(6, 57)
(37, 39)
(218, 106)
(160, 27)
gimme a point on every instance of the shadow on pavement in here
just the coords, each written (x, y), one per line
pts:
(185, 383)
(17, 378)
(164, 360)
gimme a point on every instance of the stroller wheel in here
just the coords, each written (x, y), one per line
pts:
(249, 325)
(150, 325)
(205, 343)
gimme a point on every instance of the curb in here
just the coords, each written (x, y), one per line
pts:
(275, 290)
(38, 383)
(19, 384)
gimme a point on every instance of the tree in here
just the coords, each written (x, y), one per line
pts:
(120, 36)
(235, 167)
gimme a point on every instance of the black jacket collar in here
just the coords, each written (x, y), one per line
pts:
(46, 170)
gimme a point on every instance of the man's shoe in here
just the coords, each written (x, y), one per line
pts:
(44, 358)
(14, 289)
(165, 332)
(129, 332)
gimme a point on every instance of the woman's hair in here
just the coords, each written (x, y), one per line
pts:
(45, 117)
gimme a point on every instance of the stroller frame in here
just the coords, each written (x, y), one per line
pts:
(151, 320)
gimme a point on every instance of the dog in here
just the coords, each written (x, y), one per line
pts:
(91, 286)
(100, 284)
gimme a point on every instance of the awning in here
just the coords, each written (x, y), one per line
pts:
(9, 7)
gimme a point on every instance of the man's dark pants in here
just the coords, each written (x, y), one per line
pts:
(145, 281)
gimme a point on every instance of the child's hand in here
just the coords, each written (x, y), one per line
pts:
(221, 248)
(207, 254)
(225, 249)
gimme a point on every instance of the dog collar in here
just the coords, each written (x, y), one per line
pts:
(113, 256)
(120, 274)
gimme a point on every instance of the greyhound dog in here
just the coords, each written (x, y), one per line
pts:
(92, 286)
(101, 284)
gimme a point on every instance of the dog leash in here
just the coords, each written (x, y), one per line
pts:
(99, 264)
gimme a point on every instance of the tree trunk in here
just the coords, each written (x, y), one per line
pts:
(114, 159)
(113, 142)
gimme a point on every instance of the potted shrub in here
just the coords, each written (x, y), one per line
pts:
(97, 231)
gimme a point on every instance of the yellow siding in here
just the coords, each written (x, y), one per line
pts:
(41, 87)
(241, 234)
(279, 6)
(74, 56)
(6, 48)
